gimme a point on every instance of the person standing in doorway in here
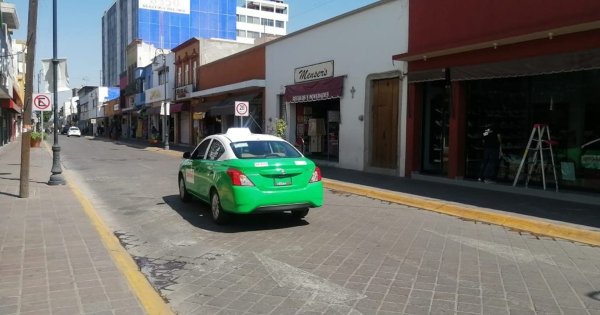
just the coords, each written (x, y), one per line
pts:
(492, 152)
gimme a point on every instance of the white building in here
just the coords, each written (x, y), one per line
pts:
(91, 107)
(258, 19)
(339, 89)
(70, 110)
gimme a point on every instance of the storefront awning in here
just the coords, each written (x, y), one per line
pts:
(227, 106)
(578, 61)
(315, 90)
(10, 104)
(179, 107)
(559, 63)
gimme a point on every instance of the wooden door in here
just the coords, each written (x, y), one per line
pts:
(384, 135)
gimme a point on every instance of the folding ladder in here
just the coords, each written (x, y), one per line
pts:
(540, 138)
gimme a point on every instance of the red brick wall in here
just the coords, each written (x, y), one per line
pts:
(440, 24)
(243, 66)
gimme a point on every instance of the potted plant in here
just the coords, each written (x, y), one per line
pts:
(153, 139)
(280, 128)
(36, 139)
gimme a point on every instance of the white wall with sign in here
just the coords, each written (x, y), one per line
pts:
(175, 6)
(360, 45)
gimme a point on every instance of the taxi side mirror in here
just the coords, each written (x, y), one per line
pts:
(186, 155)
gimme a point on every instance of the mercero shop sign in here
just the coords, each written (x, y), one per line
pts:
(314, 72)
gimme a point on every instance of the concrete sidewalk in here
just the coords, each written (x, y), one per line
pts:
(56, 255)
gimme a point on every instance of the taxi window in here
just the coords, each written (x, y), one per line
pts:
(200, 150)
(264, 149)
(216, 151)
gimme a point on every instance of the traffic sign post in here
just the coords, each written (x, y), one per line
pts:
(42, 102)
(242, 109)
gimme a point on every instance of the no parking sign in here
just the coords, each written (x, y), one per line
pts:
(242, 108)
(42, 102)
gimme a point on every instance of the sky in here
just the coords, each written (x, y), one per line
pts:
(79, 30)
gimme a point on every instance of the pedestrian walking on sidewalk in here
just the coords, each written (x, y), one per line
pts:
(492, 152)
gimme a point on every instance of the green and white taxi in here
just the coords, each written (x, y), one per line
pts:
(240, 172)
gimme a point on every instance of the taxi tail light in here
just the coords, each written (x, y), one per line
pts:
(316, 176)
(238, 178)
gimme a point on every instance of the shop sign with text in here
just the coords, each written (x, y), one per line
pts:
(184, 91)
(155, 94)
(314, 72)
(175, 6)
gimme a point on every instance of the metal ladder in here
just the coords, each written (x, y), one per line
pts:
(540, 144)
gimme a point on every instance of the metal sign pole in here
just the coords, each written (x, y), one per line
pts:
(56, 178)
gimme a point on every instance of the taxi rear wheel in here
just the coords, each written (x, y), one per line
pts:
(218, 215)
(183, 194)
(299, 214)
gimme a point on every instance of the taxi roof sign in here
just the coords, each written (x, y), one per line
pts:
(236, 132)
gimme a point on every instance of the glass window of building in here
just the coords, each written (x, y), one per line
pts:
(568, 103)
(241, 18)
(267, 22)
(267, 8)
(187, 74)
(194, 71)
(254, 35)
(253, 20)
(279, 24)
(179, 76)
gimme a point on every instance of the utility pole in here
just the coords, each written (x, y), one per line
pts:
(27, 128)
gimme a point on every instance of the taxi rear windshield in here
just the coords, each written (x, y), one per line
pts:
(264, 149)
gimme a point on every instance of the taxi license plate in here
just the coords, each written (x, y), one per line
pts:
(286, 181)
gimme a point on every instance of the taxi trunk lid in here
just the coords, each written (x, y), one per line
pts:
(280, 174)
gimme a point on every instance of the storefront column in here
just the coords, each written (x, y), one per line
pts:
(457, 132)
(414, 127)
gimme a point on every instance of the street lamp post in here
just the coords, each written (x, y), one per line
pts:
(56, 178)
(165, 103)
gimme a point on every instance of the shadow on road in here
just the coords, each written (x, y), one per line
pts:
(197, 213)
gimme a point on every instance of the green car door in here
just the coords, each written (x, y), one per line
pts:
(208, 169)
(195, 170)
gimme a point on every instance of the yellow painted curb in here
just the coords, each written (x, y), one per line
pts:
(150, 300)
(471, 213)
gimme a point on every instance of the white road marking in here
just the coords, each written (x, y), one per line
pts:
(320, 292)
(504, 251)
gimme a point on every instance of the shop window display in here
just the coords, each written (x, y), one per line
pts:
(317, 129)
(436, 123)
(569, 103)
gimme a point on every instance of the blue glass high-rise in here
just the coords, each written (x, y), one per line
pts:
(126, 21)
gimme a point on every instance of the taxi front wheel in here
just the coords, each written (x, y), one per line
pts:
(218, 215)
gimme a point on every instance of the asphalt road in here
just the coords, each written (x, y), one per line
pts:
(354, 255)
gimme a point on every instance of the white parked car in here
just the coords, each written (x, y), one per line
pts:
(74, 131)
